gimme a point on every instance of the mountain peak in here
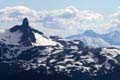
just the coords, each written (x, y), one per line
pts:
(25, 22)
(90, 33)
(24, 27)
(27, 36)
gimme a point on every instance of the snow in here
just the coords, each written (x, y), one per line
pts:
(112, 52)
(42, 41)
(79, 63)
(67, 60)
(74, 47)
(57, 51)
(107, 65)
(110, 55)
(91, 38)
(41, 59)
(49, 49)
(94, 41)
(2, 30)
(10, 38)
(52, 60)
(76, 42)
(61, 67)
(98, 66)
(14, 38)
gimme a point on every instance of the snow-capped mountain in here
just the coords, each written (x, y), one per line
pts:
(24, 35)
(27, 54)
(91, 38)
(112, 37)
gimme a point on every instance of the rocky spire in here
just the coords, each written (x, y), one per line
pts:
(28, 36)
(25, 22)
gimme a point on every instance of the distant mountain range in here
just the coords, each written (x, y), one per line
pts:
(91, 38)
(27, 54)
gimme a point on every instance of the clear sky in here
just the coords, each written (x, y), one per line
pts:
(102, 6)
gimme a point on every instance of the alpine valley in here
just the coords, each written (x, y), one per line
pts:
(28, 54)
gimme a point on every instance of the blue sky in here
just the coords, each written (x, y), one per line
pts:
(101, 6)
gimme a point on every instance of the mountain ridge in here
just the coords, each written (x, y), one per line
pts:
(43, 61)
(91, 38)
(25, 35)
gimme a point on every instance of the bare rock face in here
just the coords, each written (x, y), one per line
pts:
(25, 22)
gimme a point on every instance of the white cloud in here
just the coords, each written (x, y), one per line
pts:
(17, 13)
(63, 21)
(115, 20)
(115, 17)
(69, 18)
